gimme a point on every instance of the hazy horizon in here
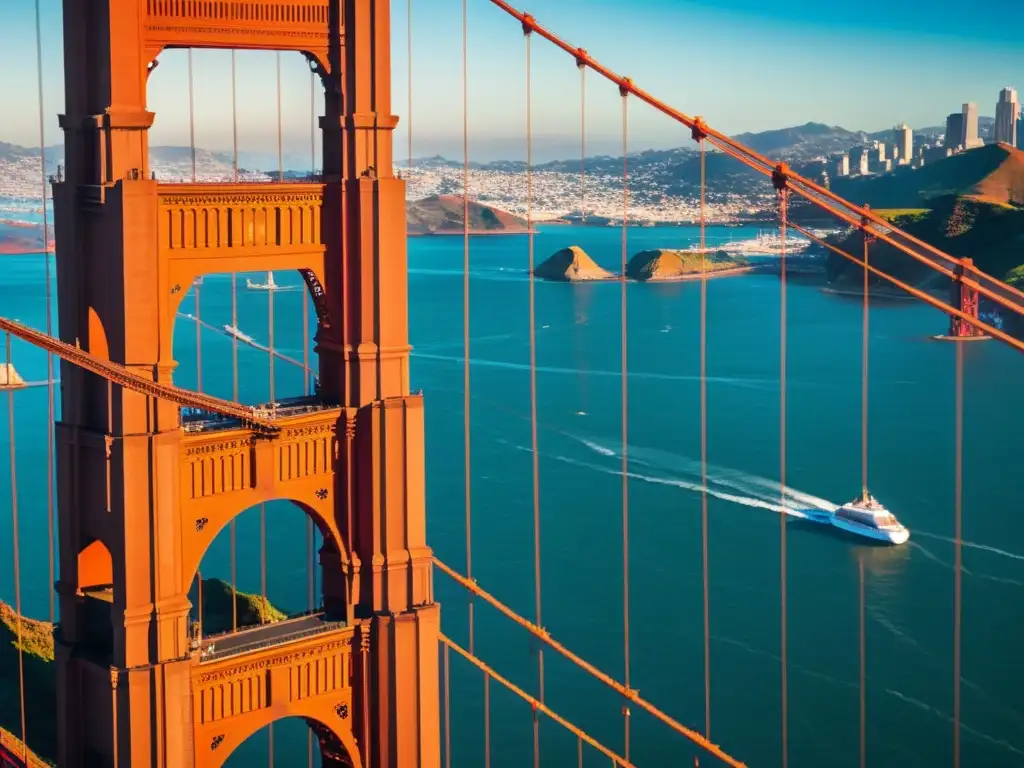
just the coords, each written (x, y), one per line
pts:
(743, 66)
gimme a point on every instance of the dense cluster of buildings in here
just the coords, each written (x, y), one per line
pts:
(961, 134)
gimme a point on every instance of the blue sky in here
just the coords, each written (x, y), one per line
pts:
(744, 65)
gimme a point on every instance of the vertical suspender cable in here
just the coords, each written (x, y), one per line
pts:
(533, 360)
(958, 490)
(704, 436)
(307, 385)
(16, 555)
(465, 308)
(447, 711)
(865, 349)
(408, 116)
(234, 339)
(783, 216)
(270, 347)
(533, 388)
(583, 145)
(196, 289)
(310, 573)
(625, 410)
(863, 664)
(487, 720)
(50, 407)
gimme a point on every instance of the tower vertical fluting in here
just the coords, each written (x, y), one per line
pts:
(364, 364)
(122, 650)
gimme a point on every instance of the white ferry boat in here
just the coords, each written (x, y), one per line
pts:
(768, 244)
(866, 517)
(234, 331)
(270, 285)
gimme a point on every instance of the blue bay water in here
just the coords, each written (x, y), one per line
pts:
(909, 590)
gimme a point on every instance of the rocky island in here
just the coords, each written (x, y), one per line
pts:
(37, 646)
(572, 265)
(664, 264)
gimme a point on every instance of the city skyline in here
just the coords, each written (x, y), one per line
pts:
(665, 50)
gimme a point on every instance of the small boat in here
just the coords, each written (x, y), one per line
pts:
(234, 331)
(270, 285)
(10, 378)
(865, 516)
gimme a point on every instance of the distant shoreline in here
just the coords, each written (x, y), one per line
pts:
(473, 232)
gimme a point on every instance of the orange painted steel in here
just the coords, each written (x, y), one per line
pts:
(631, 695)
(704, 437)
(806, 188)
(466, 391)
(915, 292)
(623, 342)
(50, 401)
(783, 339)
(16, 554)
(958, 499)
(535, 704)
(121, 376)
(534, 437)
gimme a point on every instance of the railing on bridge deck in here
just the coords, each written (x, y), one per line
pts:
(224, 645)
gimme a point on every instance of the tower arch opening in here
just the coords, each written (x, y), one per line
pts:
(328, 737)
(212, 329)
(96, 587)
(241, 568)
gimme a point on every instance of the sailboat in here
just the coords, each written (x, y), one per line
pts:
(10, 378)
(270, 285)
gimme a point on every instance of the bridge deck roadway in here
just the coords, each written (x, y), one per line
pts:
(218, 647)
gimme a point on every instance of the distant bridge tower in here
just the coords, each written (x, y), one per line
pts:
(140, 499)
(964, 298)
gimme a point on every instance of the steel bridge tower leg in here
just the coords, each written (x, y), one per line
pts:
(122, 653)
(364, 364)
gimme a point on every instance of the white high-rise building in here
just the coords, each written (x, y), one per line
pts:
(904, 143)
(1007, 116)
(970, 127)
(842, 165)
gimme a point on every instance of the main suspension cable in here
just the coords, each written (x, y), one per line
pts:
(915, 292)
(625, 409)
(538, 706)
(815, 193)
(632, 695)
(467, 461)
(533, 359)
(784, 217)
(50, 398)
(16, 553)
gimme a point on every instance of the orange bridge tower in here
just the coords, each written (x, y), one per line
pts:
(143, 487)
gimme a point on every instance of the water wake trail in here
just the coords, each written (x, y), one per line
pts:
(746, 501)
(973, 545)
(743, 383)
(751, 486)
